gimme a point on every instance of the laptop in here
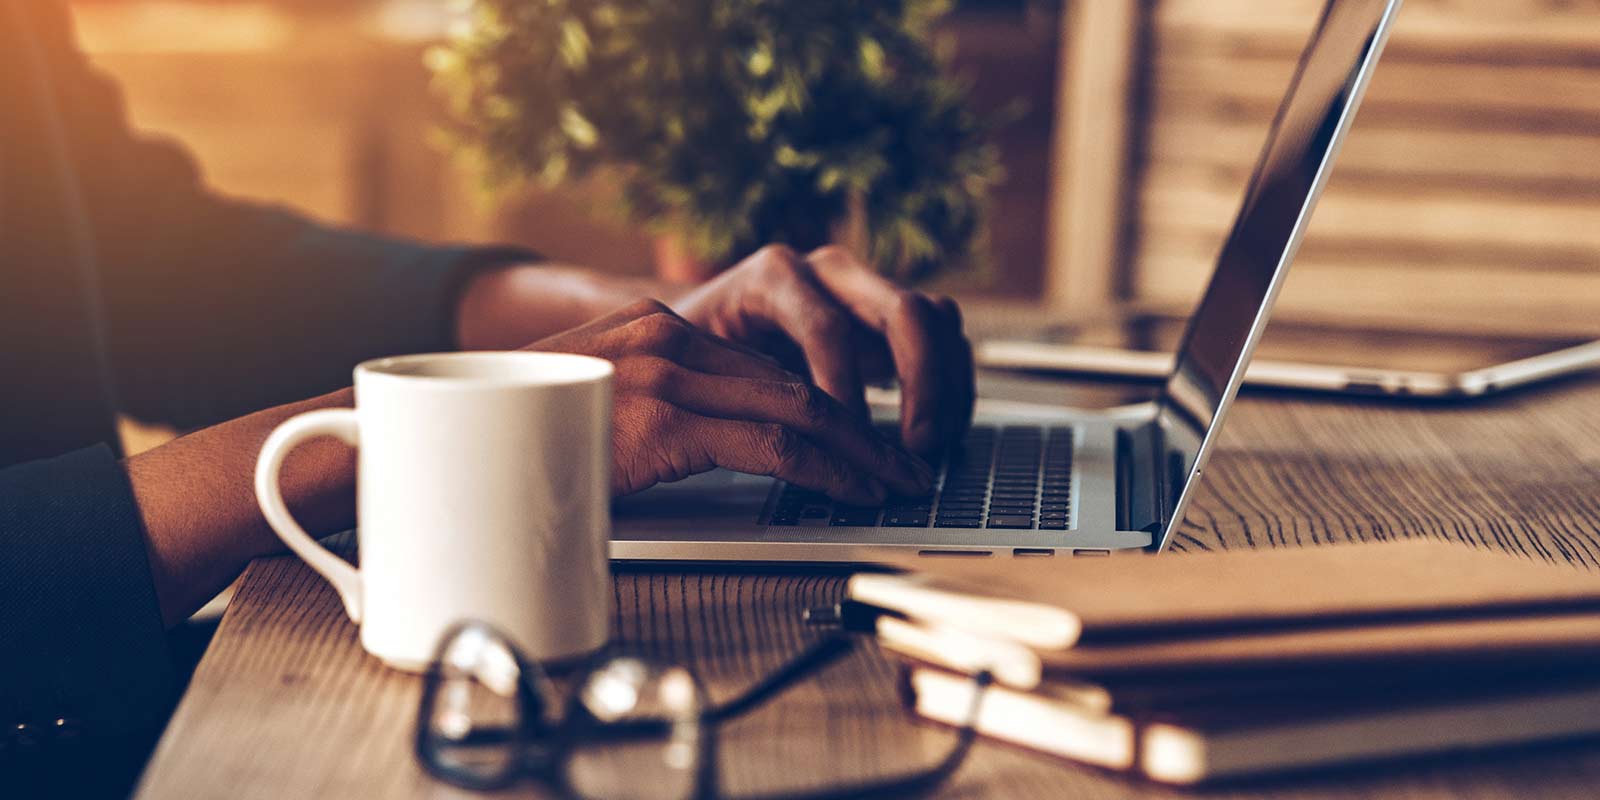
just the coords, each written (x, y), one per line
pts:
(1042, 480)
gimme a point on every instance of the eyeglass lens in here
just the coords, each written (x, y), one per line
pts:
(637, 733)
(474, 725)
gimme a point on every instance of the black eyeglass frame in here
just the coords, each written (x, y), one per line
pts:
(541, 751)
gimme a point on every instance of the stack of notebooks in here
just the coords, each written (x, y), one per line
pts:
(1196, 668)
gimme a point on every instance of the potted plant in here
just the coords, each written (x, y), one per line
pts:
(732, 123)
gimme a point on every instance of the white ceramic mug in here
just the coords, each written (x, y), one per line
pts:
(483, 492)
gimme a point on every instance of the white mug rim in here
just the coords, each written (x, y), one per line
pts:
(536, 369)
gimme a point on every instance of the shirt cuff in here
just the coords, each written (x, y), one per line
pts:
(85, 648)
(461, 265)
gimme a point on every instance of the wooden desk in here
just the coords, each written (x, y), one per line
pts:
(287, 705)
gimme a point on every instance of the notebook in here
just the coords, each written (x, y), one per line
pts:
(1057, 603)
(1252, 728)
(1203, 667)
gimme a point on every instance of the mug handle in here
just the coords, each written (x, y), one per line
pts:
(337, 422)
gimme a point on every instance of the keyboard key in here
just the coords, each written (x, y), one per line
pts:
(908, 520)
(913, 507)
(962, 522)
(966, 482)
(1025, 501)
(1053, 525)
(1044, 515)
(964, 497)
(957, 508)
(1014, 494)
(1012, 499)
(961, 515)
(855, 517)
(1029, 489)
(1012, 512)
(951, 487)
(1029, 475)
(1055, 507)
(1015, 521)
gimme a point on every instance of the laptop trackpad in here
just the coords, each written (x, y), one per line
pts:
(717, 493)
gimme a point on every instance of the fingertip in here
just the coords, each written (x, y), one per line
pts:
(924, 470)
(919, 438)
(871, 492)
(858, 405)
(909, 479)
(853, 398)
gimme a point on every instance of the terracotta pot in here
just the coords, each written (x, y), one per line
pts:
(676, 263)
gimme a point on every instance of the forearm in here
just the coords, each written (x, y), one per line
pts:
(197, 500)
(503, 308)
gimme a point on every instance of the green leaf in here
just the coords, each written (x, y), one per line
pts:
(575, 44)
(760, 61)
(578, 128)
(872, 60)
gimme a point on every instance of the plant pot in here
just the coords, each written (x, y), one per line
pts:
(676, 263)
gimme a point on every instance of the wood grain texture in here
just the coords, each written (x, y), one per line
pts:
(287, 705)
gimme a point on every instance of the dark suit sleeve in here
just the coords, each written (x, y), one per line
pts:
(85, 666)
(217, 306)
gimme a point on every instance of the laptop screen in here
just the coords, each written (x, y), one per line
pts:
(1294, 163)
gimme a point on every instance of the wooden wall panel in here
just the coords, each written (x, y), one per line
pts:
(1468, 194)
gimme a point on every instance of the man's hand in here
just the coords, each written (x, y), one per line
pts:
(848, 325)
(686, 401)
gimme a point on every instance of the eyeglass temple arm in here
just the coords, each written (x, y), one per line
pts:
(914, 783)
(814, 658)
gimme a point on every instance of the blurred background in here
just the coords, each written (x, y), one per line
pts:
(1467, 198)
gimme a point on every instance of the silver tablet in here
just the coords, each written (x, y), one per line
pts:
(1314, 358)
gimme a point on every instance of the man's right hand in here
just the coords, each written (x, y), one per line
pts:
(686, 401)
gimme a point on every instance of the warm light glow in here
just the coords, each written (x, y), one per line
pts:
(179, 27)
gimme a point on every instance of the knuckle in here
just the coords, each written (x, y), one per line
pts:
(653, 375)
(645, 307)
(777, 263)
(777, 252)
(811, 404)
(654, 414)
(660, 332)
(828, 323)
(910, 306)
(831, 254)
(781, 446)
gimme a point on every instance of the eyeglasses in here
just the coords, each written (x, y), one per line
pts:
(631, 728)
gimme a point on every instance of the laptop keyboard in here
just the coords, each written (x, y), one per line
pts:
(1013, 476)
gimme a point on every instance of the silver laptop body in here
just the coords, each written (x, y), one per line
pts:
(1101, 480)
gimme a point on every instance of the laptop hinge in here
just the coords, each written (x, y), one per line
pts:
(1144, 497)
